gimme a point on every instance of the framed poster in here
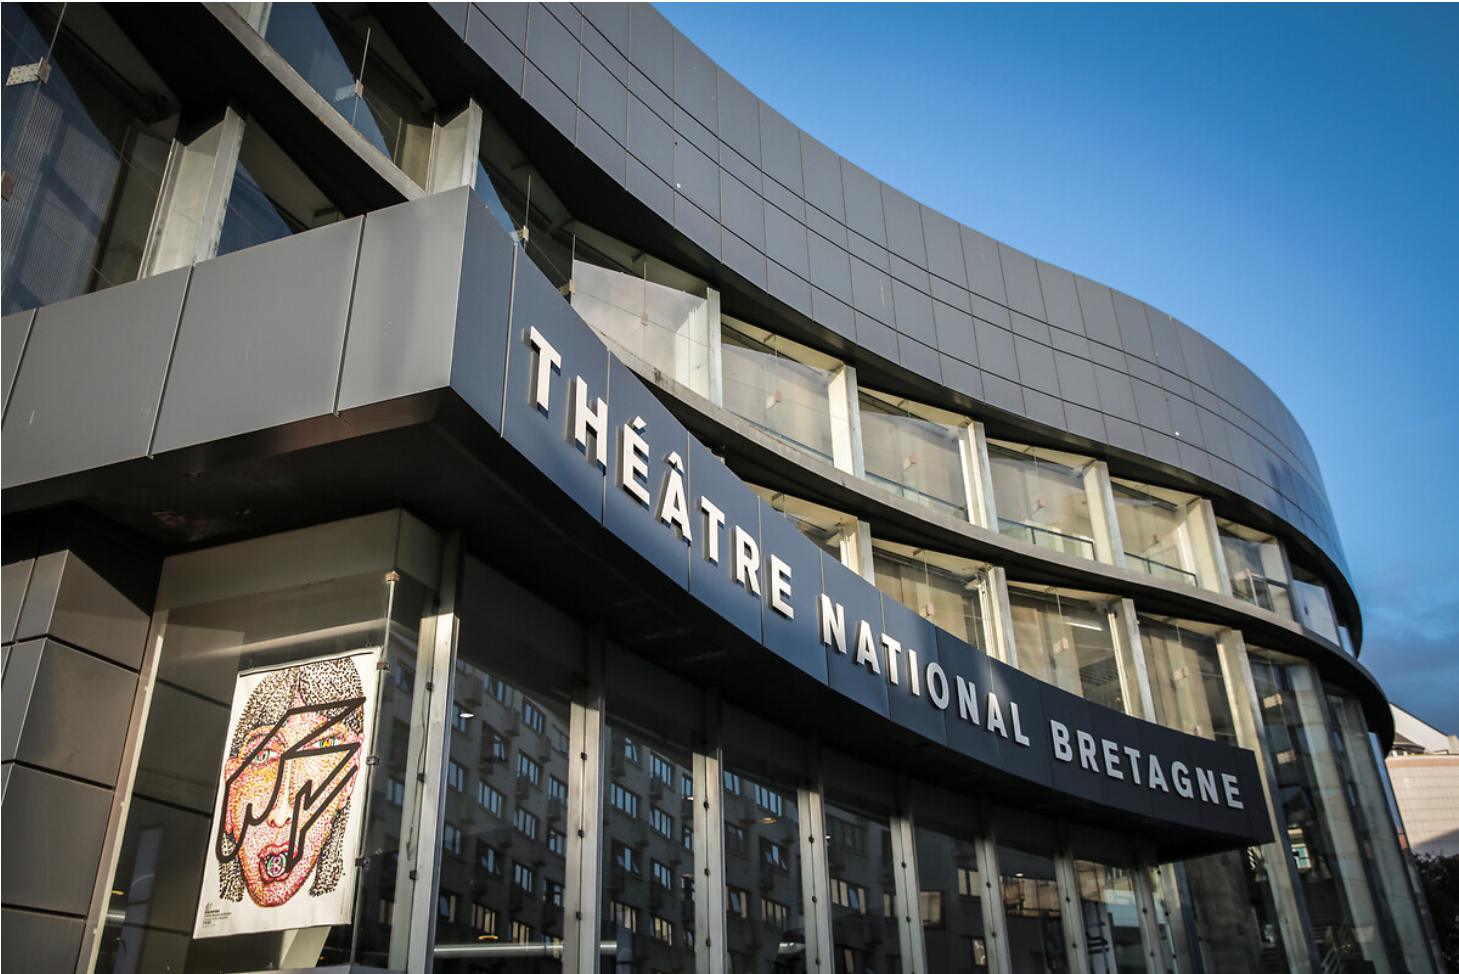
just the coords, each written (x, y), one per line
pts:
(287, 826)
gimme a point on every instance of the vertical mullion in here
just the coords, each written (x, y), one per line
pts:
(581, 906)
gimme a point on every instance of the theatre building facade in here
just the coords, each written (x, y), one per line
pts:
(485, 493)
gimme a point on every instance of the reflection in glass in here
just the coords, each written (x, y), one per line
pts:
(1033, 910)
(915, 457)
(1186, 680)
(766, 386)
(1110, 918)
(343, 54)
(86, 149)
(1233, 912)
(833, 532)
(1313, 603)
(1309, 791)
(156, 886)
(952, 888)
(508, 788)
(863, 891)
(1040, 498)
(1067, 642)
(765, 922)
(650, 861)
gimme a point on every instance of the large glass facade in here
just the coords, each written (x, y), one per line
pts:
(85, 153)
(955, 888)
(946, 589)
(1110, 916)
(1186, 680)
(1032, 906)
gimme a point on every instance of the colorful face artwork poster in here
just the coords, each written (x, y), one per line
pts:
(290, 798)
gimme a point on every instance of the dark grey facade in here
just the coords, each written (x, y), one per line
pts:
(492, 316)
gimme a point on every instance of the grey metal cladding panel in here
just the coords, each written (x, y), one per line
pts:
(697, 177)
(743, 210)
(605, 99)
(1185, 420)
(70, 599)
(689, 127)
(995, 350)
(744, 260)
(650, 139)
(403, 322)
(788, 287)
(1064, 341)
(785, 241)
(1151, 407)
(112, 344)
(780, 149)
(1166, 339)
(914, 313)
(14, 329)
(910, 273)
(831, 313)
(261, 336)
(1042, 408)
(14, 579)
(1085, 422)
(1031, 328)
(873, 253)
(1061, 298)
(454, 14)
(509, 18)
(739, 117)
(985, 269)
(1134, 330)
(904, 225)
(53, 833)
(492, 46)
(741, 168)
(1213, 434)
(919, 358)
(22, 664)
(602, 50)
(1177, 384)
(862, 193)
(990, 311)
(605, 151)
(611, 20)
(651, 44)
(822, 170)
(1076, 380)
(876, 337)
(961, 377)
(550, 101)
(944, 247)
(698, 226)
(955, 335)
(1036, 366)
(1097, 309)
(39, 941)
(695, 81)
(649, 93)
(478, 355)
(1021, 277)
(829, 227)
(1002, 393)
(1193, 348)
(1116, 397)
(553, 49)
(830, 268)
(788, 201)
(79, 709)
(871, 290)
(1124, 435)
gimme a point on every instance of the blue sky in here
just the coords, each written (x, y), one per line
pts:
(1282, 178)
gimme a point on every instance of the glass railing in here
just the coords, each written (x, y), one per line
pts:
(786, 399)
(1159, 569)
(350, 63)
(663, 326)
(1263, 592)
(1046, 538)
(912, 457)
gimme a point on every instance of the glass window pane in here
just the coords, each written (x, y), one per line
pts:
(1110, 918)
(952, 885)
(1186, 680)
(1153, 530)
(282, 654)
(504, 836)
(271, 197)
(1256, 567)
(765, 925)
(912, 456)
(87, 150)
(1067, 642)
(1033, 910)
(785, 398)
(948, 593)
